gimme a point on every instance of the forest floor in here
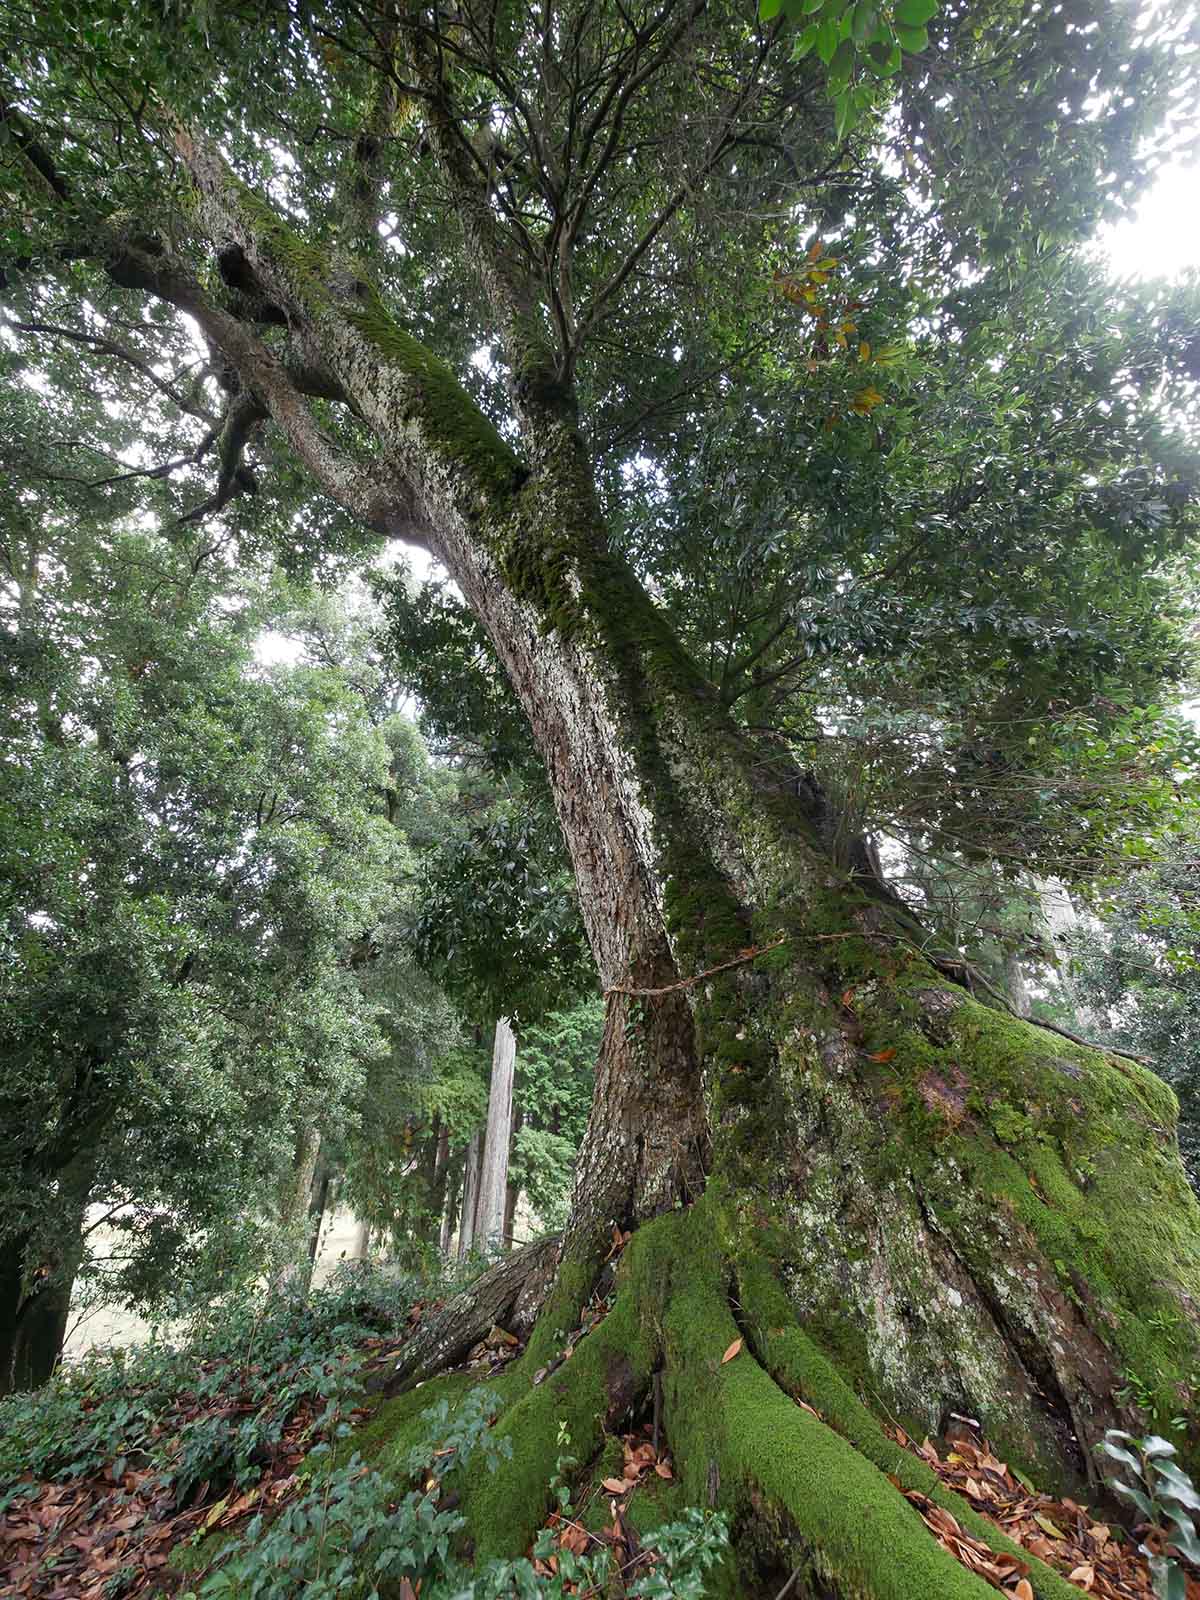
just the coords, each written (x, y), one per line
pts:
(131, 1461)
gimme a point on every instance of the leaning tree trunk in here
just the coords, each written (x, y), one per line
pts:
(832, 1148)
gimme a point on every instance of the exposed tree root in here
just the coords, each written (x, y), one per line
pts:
(803, 1371)
(510, 1295)
(820, 1494)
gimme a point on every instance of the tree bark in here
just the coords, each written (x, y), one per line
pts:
(295, 1209)
(512, 1194)
(449, 1214)
(493, 1171)
(318, 1205)
(36, 1284)
(968, 1214)
(437, 1192)
(470, 1196)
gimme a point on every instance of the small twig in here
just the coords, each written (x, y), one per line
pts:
(1091, 1044)
(975, 976)
(788, 1585)
(723, 966)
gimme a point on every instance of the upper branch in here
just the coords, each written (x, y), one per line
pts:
(442, 457)
(512, 289)
(373, 496)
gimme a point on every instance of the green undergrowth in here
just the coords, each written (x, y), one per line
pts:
(214, 1404)
(353, 1531)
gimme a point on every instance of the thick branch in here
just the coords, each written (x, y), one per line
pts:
(444, 459)
(376, 497)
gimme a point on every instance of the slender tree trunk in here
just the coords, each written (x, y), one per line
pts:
(319, 1202)
(12, 1301)
(470, 1196)
(493, 1171)
(449, 1213)
(437, 1186)
(1016, 984)
(512, 1193)
(295, 1208)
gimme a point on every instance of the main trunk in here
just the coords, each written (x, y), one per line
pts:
(964, 1211)
(970, 1213)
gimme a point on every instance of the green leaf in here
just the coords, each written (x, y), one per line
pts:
(912, 40)
(1144, 1505)
(915, 13)
(883, 60)
(1114, 1452)
(1169, 1581)
(845, 115)
(865, 22)
(1185, 1538)
(1182, 1493)
(1154, 1445)
(769, 9)
(827, 41)
(841, 66)
(805, 42)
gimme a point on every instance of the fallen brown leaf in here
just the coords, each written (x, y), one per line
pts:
(732, 1351)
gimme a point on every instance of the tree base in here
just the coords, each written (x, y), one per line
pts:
(771, 1434)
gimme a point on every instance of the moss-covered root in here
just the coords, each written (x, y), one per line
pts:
(803, 1371)
(604, 1378)
(741, 1442)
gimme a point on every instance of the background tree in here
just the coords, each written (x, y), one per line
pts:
(187, 856)
(484, 923)
(1135, 971)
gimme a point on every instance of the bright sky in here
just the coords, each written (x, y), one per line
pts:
(1164, 239)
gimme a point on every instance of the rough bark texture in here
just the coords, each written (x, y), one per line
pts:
(35, 1289)
(960, 1210)
(470, 1195)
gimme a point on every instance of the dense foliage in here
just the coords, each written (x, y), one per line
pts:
(190, 846)
(1133, 971)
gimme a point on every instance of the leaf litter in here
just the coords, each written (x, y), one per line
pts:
(1099, 1558)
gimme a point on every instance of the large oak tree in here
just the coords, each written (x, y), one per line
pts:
(485, 276)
